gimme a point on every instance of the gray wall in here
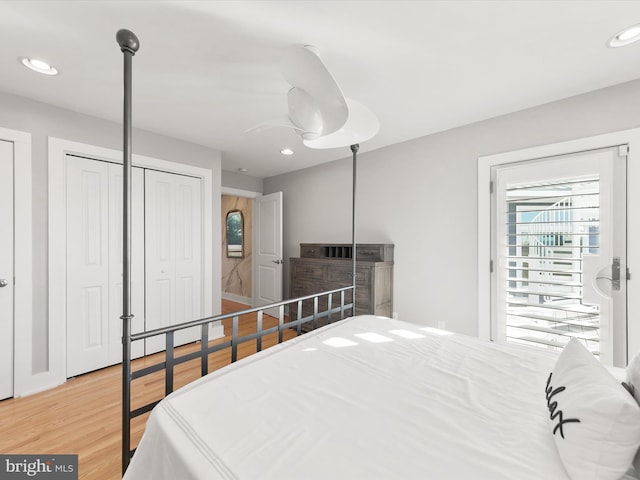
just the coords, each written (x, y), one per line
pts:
(43, 120)
(241, 181)
(422, 196)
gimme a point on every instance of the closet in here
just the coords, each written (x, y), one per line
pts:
(166, 258)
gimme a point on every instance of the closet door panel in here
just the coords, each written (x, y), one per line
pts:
(173, 232)
(159, 254)
(87, 265)
(188, 259)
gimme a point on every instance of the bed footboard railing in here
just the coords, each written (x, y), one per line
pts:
(336, 309)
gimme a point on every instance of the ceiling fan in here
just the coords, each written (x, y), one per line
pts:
(317, 109)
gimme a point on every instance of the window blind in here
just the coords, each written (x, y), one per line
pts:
(549, 227)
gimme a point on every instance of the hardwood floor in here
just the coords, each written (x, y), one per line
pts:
(83, 416)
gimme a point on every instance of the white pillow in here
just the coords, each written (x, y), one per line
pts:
(594, 421)
(633, 382)
(633, 376)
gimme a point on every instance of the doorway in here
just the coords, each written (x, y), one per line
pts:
(237, 249)
(255, 278)
(18, 375)
(6, 269)
(559, 248)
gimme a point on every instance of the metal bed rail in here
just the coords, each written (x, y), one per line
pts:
(331, 314)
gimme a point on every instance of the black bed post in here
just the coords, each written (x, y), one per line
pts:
(354, 149)
(129, 46)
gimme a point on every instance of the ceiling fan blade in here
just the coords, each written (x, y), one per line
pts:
(305, 113)
(303, 69)
(362, 125)
(283, 121)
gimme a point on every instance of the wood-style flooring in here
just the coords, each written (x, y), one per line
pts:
(83, 416)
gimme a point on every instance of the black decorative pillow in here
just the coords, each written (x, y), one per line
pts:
(594, 421)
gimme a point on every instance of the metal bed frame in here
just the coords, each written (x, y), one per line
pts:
(129, 45)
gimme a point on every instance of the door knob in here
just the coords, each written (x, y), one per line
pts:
(3, 282)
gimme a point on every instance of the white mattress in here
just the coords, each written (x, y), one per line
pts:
(367, 398)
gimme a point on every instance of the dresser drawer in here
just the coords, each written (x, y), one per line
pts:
(311, 251)
(301, 289)
(309, 270)
(372, 253)
(343, 274)
(340, 274)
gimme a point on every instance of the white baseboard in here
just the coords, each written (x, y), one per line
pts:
(37, 389)
(238, 298)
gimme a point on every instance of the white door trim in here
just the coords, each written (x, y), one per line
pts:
(58, 148)
(629, 137)
(240, 193)
(23, 289)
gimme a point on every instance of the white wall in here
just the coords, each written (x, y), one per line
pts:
(42, 121)
(422, 196)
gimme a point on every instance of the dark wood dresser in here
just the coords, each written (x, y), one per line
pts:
(326, 266)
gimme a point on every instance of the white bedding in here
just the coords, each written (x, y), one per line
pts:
(366, 398)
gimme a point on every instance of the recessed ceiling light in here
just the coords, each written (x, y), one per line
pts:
(243, 170)
(38, 66)
(286, 151)
(625, 37)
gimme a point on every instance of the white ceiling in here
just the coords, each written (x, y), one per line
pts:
(208, 70)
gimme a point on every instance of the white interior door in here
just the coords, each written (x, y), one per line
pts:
(87, 265)
(268, 249)
(6, 269)
(560, 253)
(173, 253)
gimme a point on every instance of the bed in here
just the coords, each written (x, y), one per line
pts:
(368, 397)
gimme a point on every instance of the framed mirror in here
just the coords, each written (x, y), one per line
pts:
(235, 234)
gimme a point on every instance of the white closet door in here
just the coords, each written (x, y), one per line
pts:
(173, 253)
(6, 269)
(188, 254)
(87, 265)
(115, 260)
(94, 263)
